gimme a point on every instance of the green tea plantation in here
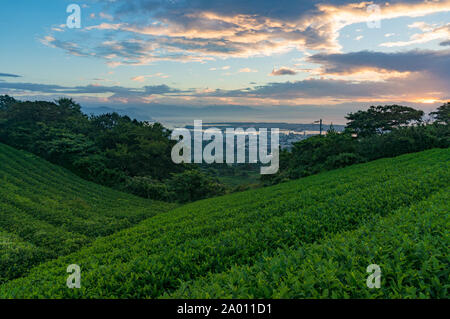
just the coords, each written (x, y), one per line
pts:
(310, 238)
(48, 212)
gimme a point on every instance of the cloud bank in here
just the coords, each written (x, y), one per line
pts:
(9, 75)
(144, 31)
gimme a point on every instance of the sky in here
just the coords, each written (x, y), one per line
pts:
(179, 60)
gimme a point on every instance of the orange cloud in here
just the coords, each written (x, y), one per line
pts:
(429, 33)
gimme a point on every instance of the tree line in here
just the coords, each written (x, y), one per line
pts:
(134, 156)
(380, 131)
(108, 149)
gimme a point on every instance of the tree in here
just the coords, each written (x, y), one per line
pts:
(382, 119)
(5, 101)
(442, 115)
(192, 185)
(311, 155)
(107, 149)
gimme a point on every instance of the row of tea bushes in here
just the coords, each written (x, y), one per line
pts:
(211, 236)
(56, 212)
(410, 247)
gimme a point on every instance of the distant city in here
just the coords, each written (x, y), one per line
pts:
(289, 133)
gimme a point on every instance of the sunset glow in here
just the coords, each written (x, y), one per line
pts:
(205, 53)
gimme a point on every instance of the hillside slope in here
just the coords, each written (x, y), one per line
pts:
(410, 246)
(47, 212)
(166, 253)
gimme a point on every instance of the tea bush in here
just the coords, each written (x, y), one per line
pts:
(47, 212)
(411, 248)
(166, 253)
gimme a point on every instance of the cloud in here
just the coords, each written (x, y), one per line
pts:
(247, 70)
(316, 91)
(429, 33)
(311, 88)
(70, 47)
(224, 68)
(321, 91)
(141, 78)
(9, 75)
(106, 16)
(160, 89)
(283, 71)
(111, 93)
(202, 30)
(434, 63)
(428, 78)
(32, 87)
(445, 43)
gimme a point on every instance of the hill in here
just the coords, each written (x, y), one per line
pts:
(310, 237)
(410, 246)
(47, 212)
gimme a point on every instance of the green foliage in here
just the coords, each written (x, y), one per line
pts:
(322, 153)
(149, 188)
(47, 212)
(188, 186)
(442, 115)
(380, 119)
(342, 160)
(192, 185)
(17, 256)
(136, 148)
(411, 247)
(319, 153)
(212, 244)
(6, 101)
(108, 149)
(404, 140)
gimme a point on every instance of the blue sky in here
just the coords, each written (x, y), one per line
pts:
(321, 58)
